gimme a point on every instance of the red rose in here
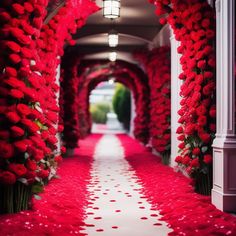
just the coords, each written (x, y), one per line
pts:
(15, 58)
(212, 112)
(17, 131)
(31, 165)
(10, 71)
(52, 140)
(6, 150)
(26, 53)
(6, 177)
(4, 134)
(15, 83)
(43, 174)
(23, 109)
(25, 71)
(202, 120)
(189, 129)
(196, 151)
(162, 21)
(30, 125)
(13, 46)
(18, 169)
(181, 137)
(181, 145)
(63, 149)
(201, 110)
(178, 159)
(20, 36)
(206, 138)
(195, 163)
(13, 117)
(30, 176)
(201, 64)
(36, 153)
(213, 127)
(208, 74)
(15, 93)
(28, 7)
(21, 145)
(58, 159)
(186, 160)
(206, 23)
(209, 88)
(207, 159)
(60, 128)
(18, 8)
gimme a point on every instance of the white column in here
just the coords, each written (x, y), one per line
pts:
(132, 115)
(175, 97)
(58, 74)
(224, 145)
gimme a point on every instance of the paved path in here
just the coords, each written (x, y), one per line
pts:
(117, 208)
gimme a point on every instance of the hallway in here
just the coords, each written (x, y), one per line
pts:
(114, 186)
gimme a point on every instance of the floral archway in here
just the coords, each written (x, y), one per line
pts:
(86, 75)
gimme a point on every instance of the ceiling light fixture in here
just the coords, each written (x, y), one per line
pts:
(112, 56)
(111, 81)
(111, 9)
(113, 38)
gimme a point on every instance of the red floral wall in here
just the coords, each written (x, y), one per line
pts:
(157, 66)
(29, 56)
(193, 23)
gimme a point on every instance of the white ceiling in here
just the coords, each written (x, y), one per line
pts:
(137, 26)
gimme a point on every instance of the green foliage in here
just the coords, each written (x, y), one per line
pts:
(99, 112)
(121, 102)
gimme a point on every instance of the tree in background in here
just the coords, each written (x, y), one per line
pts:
(99, 112)
(121, 102)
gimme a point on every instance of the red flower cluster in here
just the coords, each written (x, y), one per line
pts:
(157, 64)
(193, 23)
(28, 87)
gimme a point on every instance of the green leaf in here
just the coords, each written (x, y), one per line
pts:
(26, 155)
(204, 149)
(23, 180)
(37, 197)
(37, 188)
(56, 176)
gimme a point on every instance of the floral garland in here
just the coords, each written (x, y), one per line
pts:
(157, 65)
(70, 116)
(193, 23)
(28, 100)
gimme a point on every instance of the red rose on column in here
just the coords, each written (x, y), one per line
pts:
(7, 177)
(6, 150)
(18, 169)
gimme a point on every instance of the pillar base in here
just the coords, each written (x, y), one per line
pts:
(224, 202)
(224, 174)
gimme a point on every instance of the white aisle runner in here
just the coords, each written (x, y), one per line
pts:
(117, 207)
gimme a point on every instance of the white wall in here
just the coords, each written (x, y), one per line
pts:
(175, 97)
(132, 115)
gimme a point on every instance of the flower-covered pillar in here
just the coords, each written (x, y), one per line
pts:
(175, 97)
(224, 146)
